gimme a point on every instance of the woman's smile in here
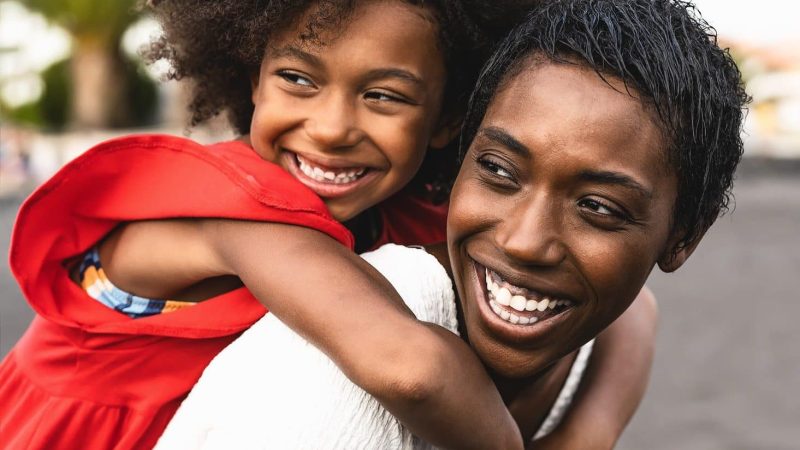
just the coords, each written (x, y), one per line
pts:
(516, 313)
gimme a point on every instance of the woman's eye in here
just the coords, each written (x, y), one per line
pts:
(295, 78)
(598, 208)
(495, 168)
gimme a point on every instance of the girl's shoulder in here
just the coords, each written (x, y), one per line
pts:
(147, 177)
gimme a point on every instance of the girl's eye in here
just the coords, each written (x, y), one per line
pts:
(382, 96)
(295, 78)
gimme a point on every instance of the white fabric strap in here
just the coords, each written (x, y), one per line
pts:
(567, 393)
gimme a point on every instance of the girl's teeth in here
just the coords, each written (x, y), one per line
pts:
(328, 176)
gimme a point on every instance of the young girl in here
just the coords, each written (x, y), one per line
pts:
(349, 115)
(584, 202)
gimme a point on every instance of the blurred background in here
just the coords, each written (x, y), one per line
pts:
(727, 371)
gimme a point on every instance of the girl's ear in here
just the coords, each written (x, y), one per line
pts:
(677, 252)
(254, 78)
(445, 133)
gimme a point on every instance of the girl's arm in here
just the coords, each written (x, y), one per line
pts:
(327, 294)
(614, 382)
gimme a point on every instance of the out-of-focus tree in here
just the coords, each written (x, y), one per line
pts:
(99, 72)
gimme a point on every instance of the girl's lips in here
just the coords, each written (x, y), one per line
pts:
(502, 328)
(347, 183)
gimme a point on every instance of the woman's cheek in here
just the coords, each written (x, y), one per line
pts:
(618, 267)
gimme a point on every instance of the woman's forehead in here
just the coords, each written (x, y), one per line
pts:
(550, 105)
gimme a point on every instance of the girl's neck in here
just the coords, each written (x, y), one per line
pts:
(366, 228)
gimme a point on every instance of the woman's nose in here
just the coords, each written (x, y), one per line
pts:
(531, 234)
(334, 123)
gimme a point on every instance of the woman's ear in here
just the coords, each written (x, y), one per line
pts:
(447, 130)
(678, 251)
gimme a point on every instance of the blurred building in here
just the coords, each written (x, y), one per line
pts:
(772, 74)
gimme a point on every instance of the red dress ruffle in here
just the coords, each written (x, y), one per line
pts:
(85, 376)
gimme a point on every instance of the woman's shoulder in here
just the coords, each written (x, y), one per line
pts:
(421, 281)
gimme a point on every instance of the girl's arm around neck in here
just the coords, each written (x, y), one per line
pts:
(338, 302)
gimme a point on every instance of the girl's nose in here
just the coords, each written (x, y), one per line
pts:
(334, 124)
(530, 234)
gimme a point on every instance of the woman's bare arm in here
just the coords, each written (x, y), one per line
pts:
(614, 383)
(334, 299)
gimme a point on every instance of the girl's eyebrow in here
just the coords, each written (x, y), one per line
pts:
(290, 51)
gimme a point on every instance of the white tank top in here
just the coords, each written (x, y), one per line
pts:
(271, 389)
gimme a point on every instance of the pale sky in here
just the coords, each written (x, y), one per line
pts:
(762, 22)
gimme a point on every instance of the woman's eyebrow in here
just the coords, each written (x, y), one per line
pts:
(615, 178)
(504, 138)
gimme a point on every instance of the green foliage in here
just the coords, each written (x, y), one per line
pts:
(52, 110)
(142, 95)
(103, 20)
(54, 104)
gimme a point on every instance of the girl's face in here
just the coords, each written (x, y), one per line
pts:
(352, 118)
(560, 211)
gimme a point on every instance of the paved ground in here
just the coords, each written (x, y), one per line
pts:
(727, 370)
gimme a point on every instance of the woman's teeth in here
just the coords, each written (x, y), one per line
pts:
(327, 175)
(503, 294)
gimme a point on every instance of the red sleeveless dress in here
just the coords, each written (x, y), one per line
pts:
(85, 376)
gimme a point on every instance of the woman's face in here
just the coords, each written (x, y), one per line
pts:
(560, 211)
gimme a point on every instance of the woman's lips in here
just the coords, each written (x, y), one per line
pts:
(518, 305)
(327, 182)
(502, 309)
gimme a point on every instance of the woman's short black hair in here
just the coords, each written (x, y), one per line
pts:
(218, 45)
(669, 55)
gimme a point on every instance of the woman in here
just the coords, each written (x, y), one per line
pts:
(586, 164)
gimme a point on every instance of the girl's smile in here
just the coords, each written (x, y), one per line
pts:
(351, 117)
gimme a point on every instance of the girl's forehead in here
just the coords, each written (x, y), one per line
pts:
(376, 36)
(323, 23)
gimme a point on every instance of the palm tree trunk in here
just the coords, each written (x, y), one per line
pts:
(98, 85)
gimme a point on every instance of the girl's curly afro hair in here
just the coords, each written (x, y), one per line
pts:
(218, 45)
